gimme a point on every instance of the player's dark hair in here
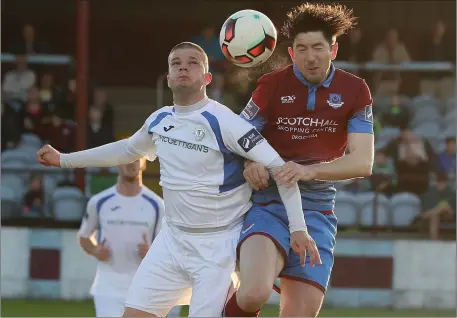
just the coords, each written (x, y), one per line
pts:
(332, 20)
(190, 45)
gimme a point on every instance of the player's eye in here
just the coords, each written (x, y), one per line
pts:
(174, 63)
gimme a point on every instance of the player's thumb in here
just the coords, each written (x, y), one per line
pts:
(103, 243)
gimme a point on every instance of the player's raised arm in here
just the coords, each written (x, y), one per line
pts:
(109, 155)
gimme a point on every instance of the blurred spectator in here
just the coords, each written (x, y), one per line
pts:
(446, 162)
(98, 134)
(355, 49)
(396, 113)
(437, 47)
(413, 159)
(100, 101)
(11, 128)
(60, 133)
(209, 41)
(49, 92)
(17, 82)
(33, 113)
(218, 92)
(34, 198)
(383, 176)
(390, 51)
(69, 100)
(29, 44)
(438, 204)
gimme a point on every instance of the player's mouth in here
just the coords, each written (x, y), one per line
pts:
(183, 77)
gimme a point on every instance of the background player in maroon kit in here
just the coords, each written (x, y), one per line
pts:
(310, 112)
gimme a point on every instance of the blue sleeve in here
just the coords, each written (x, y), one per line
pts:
(362, 122)
(258, 122)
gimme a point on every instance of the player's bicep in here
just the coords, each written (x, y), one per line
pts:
(246, 141)
(90, 220)
(362, 144)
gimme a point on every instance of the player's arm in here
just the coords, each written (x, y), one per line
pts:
(243, 139)
(88, 225)
(113, 154)
(359, 161)
(253, 146)
(256, 113)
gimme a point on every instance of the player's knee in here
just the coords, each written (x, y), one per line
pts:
(252, 299)
(132, 312)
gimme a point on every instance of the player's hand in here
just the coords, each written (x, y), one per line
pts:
(301, 242)
(256, 174)
(143, 247)
(102, 252)
(291, 172)
(48, 156)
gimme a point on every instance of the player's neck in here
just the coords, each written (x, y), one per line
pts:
(188, 99)
(193, 107)
(129, 189)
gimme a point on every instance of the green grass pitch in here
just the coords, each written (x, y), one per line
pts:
(60, 308)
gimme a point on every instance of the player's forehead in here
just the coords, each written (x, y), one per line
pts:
(183, 54)
(307, 39)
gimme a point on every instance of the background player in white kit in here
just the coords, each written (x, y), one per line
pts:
(199, 143)
(127, 217)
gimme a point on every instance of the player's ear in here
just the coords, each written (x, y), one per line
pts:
(168, 80)
(334, 50)
(208, 78)
(291, 53)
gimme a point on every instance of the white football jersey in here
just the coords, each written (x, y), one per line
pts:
(201, 149)
(121, 221)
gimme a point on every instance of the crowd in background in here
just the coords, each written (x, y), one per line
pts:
(34, 103)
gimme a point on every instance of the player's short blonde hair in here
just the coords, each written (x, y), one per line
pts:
(190, 45)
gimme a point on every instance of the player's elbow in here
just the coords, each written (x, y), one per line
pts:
(365, 169)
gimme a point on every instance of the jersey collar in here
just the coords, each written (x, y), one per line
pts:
(326, 83)
(187, 109)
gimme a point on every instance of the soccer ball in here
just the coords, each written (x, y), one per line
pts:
(248, 38)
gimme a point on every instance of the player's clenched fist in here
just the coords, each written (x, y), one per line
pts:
(256, 174)
(48, 156)
(102, 252)
(292, 172)
(301, 242)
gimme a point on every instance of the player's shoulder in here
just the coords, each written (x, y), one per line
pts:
(219, 112)
(160, 113)
(98, 199)
(348, 79)
(277, 76)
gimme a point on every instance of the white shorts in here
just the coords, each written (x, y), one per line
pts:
(107, 306)
(185, 268)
